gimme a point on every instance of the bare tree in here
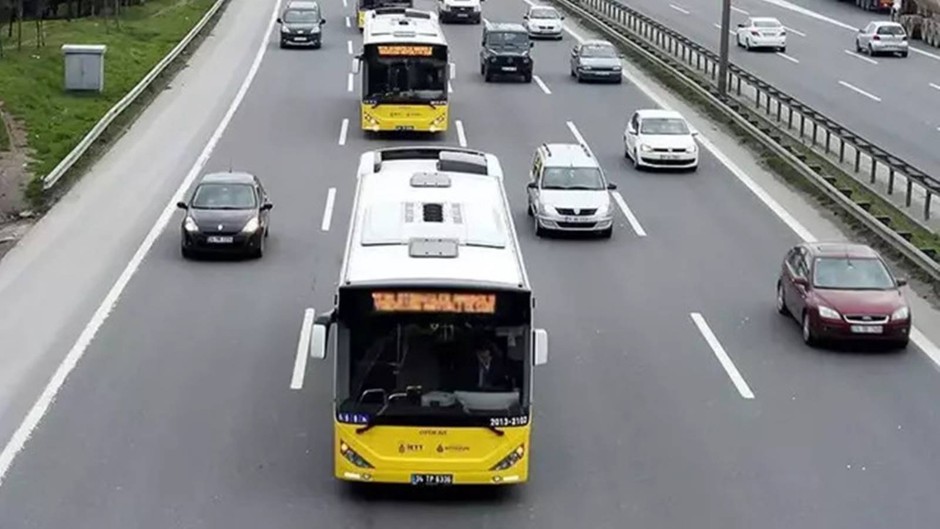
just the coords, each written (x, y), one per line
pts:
(40, 17)
(19, 25)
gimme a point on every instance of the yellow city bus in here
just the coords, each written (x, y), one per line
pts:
(404, 72)
(363, 6)
(431, 331)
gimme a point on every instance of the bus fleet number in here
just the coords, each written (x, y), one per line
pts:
(509, 421)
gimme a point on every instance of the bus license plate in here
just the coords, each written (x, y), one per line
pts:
(404, 127)
(867, 329)
(219, 240)
(432, 479)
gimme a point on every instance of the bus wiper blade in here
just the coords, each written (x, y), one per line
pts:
(371, 423)
(495, 430)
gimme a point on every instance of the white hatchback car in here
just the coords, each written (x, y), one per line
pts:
(762, 32)
(660, 138)
(544, 21)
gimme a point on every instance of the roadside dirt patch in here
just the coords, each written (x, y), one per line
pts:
(14, 175)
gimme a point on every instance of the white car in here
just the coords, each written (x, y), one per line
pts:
(762, 32)
(544, 21)
(660, 138)
(459, 10)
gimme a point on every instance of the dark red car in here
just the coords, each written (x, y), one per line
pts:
(843, 291)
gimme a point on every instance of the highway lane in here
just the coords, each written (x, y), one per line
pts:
(181, 414)
(906, 126)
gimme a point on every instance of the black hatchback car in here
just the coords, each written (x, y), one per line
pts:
(505, 51)
(227, 213)
(301, 24)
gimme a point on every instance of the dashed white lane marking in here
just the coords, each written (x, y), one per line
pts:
(739, 10)
(787, 57)
(461, 135)
(791, 30)
(542, 84)
(937, 86)
(344, 128)
(349, 82)
(577, 134)
(722, 356)
(303, 343)
(349, 48)
(328, 209)
(679, 9)
(860, 91)
(453, 70)
(631, 218)
(859, 56)
(348, 23)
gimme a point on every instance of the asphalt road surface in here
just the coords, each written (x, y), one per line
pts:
(888, 100)
(180, 413)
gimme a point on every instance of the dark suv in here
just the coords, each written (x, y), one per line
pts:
(505, 50)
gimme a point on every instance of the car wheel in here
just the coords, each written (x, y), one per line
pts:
(903, 54)
(781, 301)
(539, 231)
(618, 80)
(783, 49)
(636, 159)
(579, 78)
(858, 47)
(572, 72)
(258, 253)
(487, 76)
(528, 210)
(608, 233)
(809, 337)
(482, 69)
(528, 77)
(283, 44)
(186, 252)
(871, 51)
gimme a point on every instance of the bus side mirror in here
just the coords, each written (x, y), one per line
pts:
(320, 332)
(541, 346)
(355, 65)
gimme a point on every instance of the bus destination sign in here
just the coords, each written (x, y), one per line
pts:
(405, 51)
(461, 303)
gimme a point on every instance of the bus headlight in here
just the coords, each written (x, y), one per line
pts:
(514, 457)
(352, 456)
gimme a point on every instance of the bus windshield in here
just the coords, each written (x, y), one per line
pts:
(450, 364)
(405, 78)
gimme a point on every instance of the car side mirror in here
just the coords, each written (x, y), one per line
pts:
(525, 17)
(621, 56)
(861, 30)
(574, 51)
(267, 206)
(541, 347)
(740, 25)
(531, 44)
(532, 185)
(800, 281)
(902, 281)
(182, 205)
(611, 186)
(279, 21)
(694, 133)
(322, 21)
(562, 17)
(631, 129)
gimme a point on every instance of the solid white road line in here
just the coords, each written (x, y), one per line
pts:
(717, 25)
(722, 356)
(739, 10)
(577, 134)
(328, 209)
(300, 361)
(450, 88)
(344, 128)
(348, 23)
(679, 9)
(41, 406)
(921, 341)
(349, 47)
(791, 30)
(937, 86)
(349, 82)
(860, 56)
(542, 84)
(860, 91)
(787, 57)
(631, 218)
(461, 135)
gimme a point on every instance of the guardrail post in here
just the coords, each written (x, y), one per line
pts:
(828, 136)
(874, 168)
(739, 85)
(768, 104)
(815, 128)
(890, 181)
(789, 117)
(779, 109)
(910, 191)
(927, 205)
(802, 125)
(757, 98)
(858, 158)
(841, 150)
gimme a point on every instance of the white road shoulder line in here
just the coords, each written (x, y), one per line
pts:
(461, 135)
(860, 91)
(787, 57)
(349, 48)
(349, 82)
(791, 30)
(343, 129)
(919, 339)
(860, 56)
(542, 84)
(739, 10)
(328, 209)
(631, 218)
(722, 356)
(300, 361)
(679, 9)
(41, 406)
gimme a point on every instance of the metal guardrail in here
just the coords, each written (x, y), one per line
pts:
(821, 131)
(75, 155)
(673, 52)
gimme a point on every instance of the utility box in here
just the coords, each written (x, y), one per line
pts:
(84, 66)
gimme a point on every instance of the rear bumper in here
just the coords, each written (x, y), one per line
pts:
(460, 16)
(888, 47)
(767, 42)
(359, 475)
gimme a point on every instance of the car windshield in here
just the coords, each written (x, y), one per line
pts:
(580, 178)
(664, 126)
(844, 273)
(543, 13)
(598, 50)
(890, 30)
(301, 16)
(224, 196)
(507, 39)
(766, 24)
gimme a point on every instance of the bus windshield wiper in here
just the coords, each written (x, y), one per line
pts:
(371, 422)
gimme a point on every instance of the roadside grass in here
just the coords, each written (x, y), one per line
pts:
(889, 215)
(32, 79)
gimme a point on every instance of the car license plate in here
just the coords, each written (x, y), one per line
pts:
(432, 479)
(574, 219)
(867, 329)
(216, 239)
(509, 68)
(670, 157)
(300, 39)
(462, 15)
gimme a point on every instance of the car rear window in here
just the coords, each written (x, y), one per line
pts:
(890, 30)
(766, 24)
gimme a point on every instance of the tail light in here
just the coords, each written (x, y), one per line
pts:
(755, 33)
(876, 37)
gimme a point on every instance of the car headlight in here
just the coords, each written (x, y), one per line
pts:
(829, 314)
(285, 29)
(190, 225)
(902, 313)
(646, 148)
(251, 226)
(352, 456)
(476, 9)
(514, 457)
